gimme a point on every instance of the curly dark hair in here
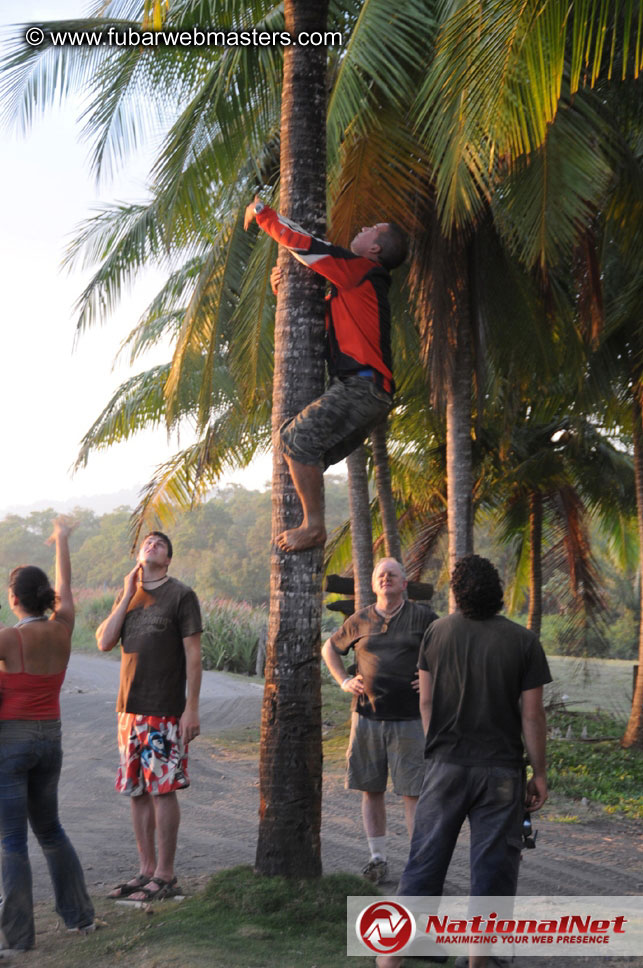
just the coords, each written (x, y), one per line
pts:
(477, 587)
(31, 587)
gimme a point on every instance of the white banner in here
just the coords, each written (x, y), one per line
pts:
(508, 926)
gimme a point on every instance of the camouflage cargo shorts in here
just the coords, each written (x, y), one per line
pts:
(333, 425)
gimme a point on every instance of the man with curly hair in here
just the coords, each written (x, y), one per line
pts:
(481, 686)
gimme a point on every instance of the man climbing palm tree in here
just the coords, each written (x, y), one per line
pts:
(358, 353)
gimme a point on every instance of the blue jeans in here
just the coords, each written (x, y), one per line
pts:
(492, 798)
(30, 761)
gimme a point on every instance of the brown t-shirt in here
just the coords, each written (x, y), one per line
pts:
(153, 657)
(387, 656)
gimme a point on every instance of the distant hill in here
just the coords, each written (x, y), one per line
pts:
(98, 503)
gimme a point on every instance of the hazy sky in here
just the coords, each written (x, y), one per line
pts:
(50, 393)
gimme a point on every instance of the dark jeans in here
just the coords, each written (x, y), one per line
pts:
(30, 762)
(492, 798)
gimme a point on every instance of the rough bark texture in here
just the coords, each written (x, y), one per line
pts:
(441, 278)
(633, 735)
(384, 489)
(534, 618)
(459, 474)
(290, 755)
(361, 530)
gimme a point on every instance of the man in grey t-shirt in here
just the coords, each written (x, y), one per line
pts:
(158, 621)
(386, 729)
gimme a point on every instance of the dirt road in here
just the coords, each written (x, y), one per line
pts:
(596, 856)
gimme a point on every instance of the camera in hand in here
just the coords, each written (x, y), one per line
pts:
(528, 833)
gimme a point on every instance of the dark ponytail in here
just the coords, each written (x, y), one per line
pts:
(31, 587)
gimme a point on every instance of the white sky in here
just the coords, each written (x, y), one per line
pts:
(50, 393)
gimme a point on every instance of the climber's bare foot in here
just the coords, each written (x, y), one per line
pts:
(298, 539)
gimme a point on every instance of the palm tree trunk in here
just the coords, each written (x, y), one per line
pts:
(290, 760)
(633, 735)
(361, 529)
(535, 562)
(385, 492)
(459, 452)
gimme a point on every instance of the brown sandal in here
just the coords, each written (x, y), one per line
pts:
(165, 889)
(124, 890)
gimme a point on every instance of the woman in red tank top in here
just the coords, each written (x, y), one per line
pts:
(33, 661)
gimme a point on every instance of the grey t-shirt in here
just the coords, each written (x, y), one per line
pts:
(386, 653)
(153, 656)
(479, 669)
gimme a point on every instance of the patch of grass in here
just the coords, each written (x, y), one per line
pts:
(336, 724)
(598, 769)
(92, 607)
(231, 632)
(239, 921)
(592, 684)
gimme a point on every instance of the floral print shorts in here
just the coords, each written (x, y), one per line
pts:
(153, 758)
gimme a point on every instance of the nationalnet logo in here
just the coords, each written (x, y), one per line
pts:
(507, 926)
(385, 927)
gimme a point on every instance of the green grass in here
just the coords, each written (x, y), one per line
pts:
(596, 768)
(240, 920)
(592, 684)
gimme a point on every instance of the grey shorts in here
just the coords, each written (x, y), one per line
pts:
(377, 746)
(333, 425)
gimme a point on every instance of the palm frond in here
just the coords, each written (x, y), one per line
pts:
(497, 84)
(366, 73)
(231, 441)
(136, 404)
(550, 198)
(126, 238)
(212, 304)
(386, 162)
(165, 314)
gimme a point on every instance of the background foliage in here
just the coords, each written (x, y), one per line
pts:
(221, 548)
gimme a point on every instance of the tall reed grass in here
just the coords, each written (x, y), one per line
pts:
(231, 633)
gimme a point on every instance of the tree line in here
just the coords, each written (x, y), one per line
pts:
(222, 549)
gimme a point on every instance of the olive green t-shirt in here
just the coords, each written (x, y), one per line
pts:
(153, 656)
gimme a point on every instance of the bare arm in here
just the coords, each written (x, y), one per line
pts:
(534, 730)
(65, 613)
(333, 660)
(109, 631)
(426, 698)
(189, 725)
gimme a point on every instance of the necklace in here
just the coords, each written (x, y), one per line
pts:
(154, 581)
(389, 615)
(32, 618)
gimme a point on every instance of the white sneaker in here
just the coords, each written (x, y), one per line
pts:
(86, 929)
(376, 870)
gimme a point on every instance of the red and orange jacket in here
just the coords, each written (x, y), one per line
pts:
(358, 314)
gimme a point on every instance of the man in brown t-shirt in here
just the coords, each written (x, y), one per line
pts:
(158, 622)
(386, 729)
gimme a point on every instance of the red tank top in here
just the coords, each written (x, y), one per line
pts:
(26, 695)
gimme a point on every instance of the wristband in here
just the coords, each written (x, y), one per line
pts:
(347, 679)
